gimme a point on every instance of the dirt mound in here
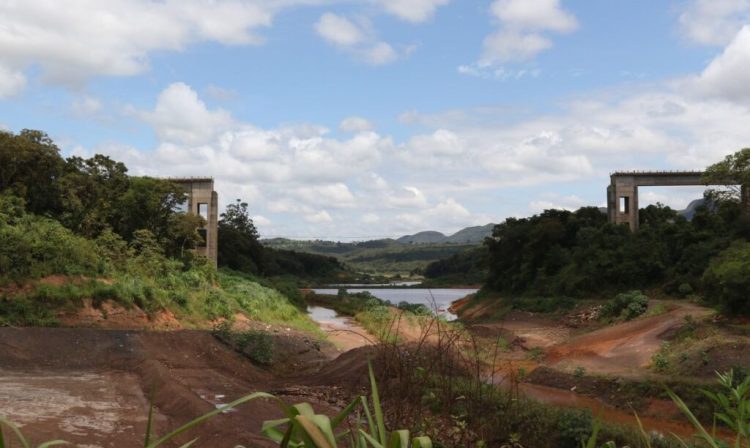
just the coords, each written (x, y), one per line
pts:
(190, 373)
(624, 348)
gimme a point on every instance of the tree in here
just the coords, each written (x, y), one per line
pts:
(239, 245)
(237, 217)
(30, 167)
(148, 204)
(727, 279)
(734, 173)
(90, 189)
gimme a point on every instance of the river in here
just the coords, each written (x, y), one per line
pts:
(438, 300)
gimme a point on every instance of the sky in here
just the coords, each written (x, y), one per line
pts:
(362, 119)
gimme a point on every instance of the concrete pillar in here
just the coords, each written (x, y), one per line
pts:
(213, 228)
(626, 204)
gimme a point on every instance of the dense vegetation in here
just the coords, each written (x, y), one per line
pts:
(464, 268)
(112, 237)
(579, 253)
(241, 250)
(385, 257)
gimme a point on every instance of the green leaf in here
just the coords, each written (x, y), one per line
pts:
(312, 431)
(53, 443)
(399, 439)
(421, 442)
(371, 439)
(21, 439)
(338, 419)
(379, 420)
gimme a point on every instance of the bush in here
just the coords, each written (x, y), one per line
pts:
(628, 305)
(727, 279)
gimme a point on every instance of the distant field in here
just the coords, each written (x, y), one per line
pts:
(378, 257)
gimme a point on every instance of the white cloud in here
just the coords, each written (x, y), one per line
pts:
(714, 22)
(370, 218)
(534, 15)
(11, 82)
(181, 117)
(380, 53)
(358, 39)
(513, 45)
(728, 75)
(557, 202)
(319, 217)
(407, 197)
(521, 26)
(332, 195)
(74, 41)
(262, 221)
(355, 124)
(221, 94)
(339, 30)
(86, 105)
(448, 214)
(412, 10)
(499, 73)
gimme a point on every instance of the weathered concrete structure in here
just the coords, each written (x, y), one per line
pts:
(622, 193)
(203, 201)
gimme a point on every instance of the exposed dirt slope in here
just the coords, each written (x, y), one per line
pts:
(90, 386)
(621, 349)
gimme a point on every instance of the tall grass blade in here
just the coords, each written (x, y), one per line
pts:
(379, 420)
(21, 439)
(693, 420)
(313, 432)
(53, 443)
(338, 419)
(207, 416)
(150, 419)
(371, 439)
(421, 442)
(591, 442)
(644, 434)
(399, 439)
(368, 415)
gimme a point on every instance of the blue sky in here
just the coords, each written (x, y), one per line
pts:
(357, 119)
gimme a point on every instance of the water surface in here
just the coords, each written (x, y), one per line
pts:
(438, 300)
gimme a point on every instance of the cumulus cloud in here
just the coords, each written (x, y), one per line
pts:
(714, 22)
(355, 124)
(339, 30)
(521, 26)
(358, 39)
(11, 82)
(87, 38)
(319, 217)
(412, 10)
(181, 117)
(728, 75)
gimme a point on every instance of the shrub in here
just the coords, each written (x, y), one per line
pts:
(628, 305)
(727, 279)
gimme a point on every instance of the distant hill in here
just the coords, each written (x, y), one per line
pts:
(469, 235)
(426, 237)
(689, 212)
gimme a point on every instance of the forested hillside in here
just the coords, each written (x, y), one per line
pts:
(110, 236)
(580, 254)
